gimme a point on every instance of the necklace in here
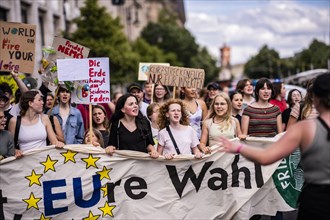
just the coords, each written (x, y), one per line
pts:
(220, 123)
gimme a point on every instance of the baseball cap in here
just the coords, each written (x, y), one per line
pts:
(2, 95)
(134, 86)
(213, 85)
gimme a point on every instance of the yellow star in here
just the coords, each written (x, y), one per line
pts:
(91, 216)
(105, 190)
(34, 178)
(32, 202)
(42, 217)
(69, 156)
(107, 210)
(49, 164)
(90, 161)
(104, 173)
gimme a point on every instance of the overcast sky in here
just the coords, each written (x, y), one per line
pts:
(246, 25)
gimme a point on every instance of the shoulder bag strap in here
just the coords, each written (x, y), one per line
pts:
(18, 125)
(172, 138)
(326, 126)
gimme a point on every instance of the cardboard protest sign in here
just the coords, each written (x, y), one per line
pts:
(95, 72)
(69, 49)
(144, 68)
(17, 47)
(176, 76)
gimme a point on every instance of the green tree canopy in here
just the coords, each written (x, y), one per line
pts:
(171, 38)
(264, 64)
(97, 30)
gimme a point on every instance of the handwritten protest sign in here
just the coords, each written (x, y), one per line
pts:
(69, 49)
(176, 76)
(144, 68)
(17, 47)
(94, 84)
(72, 69)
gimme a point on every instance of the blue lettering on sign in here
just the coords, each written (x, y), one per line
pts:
(49, 196)
(78, 194)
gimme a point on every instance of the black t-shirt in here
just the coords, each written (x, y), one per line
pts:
(286, 116)
(105, 135)
(130, 140)
(8, 116)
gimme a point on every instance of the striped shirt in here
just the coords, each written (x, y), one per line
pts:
(262, 121)
(295, 112)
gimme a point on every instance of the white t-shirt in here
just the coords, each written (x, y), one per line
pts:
(186, 139)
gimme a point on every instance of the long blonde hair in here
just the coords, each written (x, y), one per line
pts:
(227, 117)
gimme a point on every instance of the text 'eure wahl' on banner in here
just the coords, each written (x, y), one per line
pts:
(17, 47)
(69, 49)
(176, 76)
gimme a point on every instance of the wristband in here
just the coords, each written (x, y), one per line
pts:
(238, 150)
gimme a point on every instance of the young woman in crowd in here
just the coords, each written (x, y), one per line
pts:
(101, 122)
(294, 97)
(173, 121)
(161, 93)
(196, 108)
(305, 110)
(313, 139)
(49, 102)
(69, 117)
(245, 87)
(129, 129)
(96, 140)
(262, 119)
(152, 113)
(278, 98)
(236, 99)
(7, 148)
(219, 122)
(34, 127)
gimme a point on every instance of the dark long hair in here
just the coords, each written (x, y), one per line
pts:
(25, 99)
(261, 82)
(141, 122)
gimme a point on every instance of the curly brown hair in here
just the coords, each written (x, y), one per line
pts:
(162, 119)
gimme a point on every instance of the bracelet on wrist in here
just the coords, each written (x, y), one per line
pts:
(239, 148)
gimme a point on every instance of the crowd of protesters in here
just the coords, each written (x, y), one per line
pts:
(147, 119)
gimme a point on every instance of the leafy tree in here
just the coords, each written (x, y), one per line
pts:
(264, 64)
(171, 38)
(316, 56)
(149, 53)
(97, 30)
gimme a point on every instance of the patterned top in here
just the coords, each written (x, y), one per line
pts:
(295, 112)
(195, 120)
(262, 121)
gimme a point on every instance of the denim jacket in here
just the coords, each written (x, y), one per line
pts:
(74, 133)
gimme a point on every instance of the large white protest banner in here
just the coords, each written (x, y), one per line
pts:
(82, 182)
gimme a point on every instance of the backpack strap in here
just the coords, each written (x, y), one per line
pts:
(325, 126)
(18, 125)
(51, 118)
(173, 140)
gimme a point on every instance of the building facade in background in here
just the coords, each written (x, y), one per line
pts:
(53, 17)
